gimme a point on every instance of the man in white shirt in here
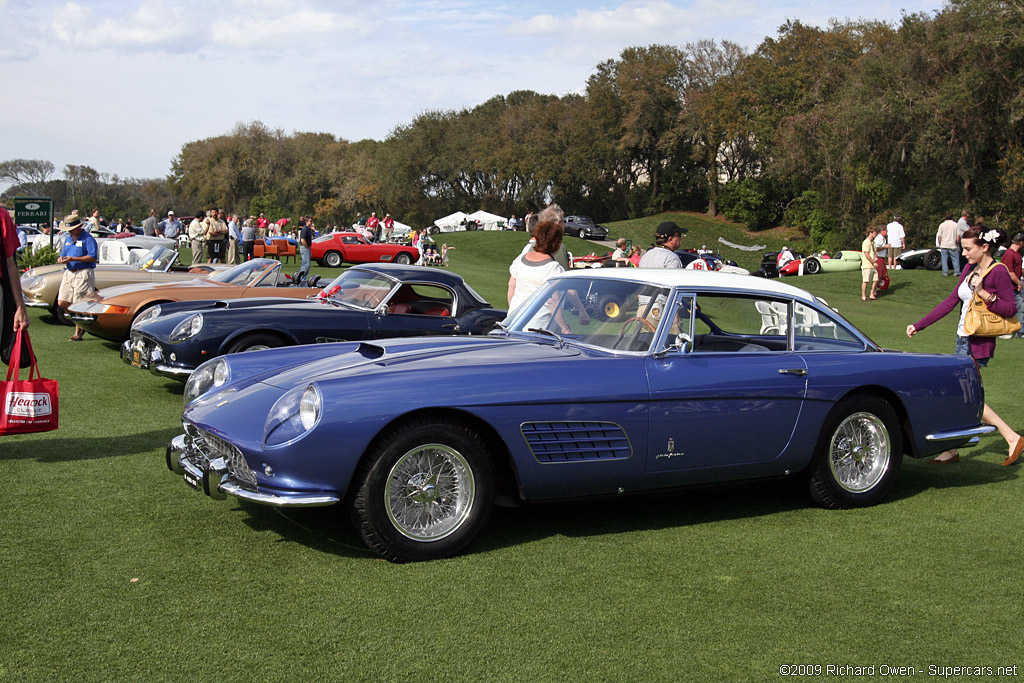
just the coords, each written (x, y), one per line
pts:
(897, 237)
(663, 255)
(947, 238)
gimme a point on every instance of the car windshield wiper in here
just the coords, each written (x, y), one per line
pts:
(502, 326)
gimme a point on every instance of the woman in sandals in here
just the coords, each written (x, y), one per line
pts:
(993, 285)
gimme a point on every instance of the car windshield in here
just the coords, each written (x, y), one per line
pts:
(585, 220)
(245, 273)
(158, 259)
(618, 315)
(358, 288)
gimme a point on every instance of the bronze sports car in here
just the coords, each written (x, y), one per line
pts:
(159, 264)
(109, 312)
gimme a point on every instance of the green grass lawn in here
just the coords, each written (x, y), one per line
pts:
(112, 569)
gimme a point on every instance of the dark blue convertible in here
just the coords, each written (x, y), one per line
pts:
(363, 303)
(707, 378)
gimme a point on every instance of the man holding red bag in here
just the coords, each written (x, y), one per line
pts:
(9, 272)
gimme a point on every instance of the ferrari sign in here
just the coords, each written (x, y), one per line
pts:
(33, 210)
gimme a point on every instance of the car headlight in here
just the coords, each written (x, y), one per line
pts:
(293, 415)
(30, 283)
(210, 375)
(147, 314)
(187, 328)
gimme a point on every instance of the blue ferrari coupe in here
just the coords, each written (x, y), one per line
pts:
(707, 378)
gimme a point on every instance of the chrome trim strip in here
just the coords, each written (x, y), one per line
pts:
(960, 433)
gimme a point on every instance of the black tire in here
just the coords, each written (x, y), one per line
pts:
(403, 259)
(812, 266)
(611, 308)
(933, 260)
(398, 463)
(61, 315)
(333, 259)
(858, 454)
(255, 342)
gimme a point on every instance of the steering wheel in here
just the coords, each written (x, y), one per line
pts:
(646, 323)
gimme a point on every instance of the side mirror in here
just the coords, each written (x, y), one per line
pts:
(381, 310)
(681, 344)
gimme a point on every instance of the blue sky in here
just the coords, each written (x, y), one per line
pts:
(121, 86)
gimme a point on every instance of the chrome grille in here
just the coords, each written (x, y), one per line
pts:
(553, 442)
(209, 447)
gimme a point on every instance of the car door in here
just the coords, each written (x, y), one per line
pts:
(417, 310)
(730, 396)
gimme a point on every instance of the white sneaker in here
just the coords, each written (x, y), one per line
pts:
(1006, 336)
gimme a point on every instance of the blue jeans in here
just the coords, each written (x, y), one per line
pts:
(951, 255)
(963, 348)
(304, 253)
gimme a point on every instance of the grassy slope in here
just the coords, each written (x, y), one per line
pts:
(706, 585)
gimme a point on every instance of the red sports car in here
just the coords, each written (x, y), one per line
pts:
(349, 247)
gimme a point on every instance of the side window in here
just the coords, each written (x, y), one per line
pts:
(816, 331)
(731, 322)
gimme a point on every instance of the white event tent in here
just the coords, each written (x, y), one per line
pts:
(488, 221)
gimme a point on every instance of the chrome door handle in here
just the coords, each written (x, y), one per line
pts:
(799, 372)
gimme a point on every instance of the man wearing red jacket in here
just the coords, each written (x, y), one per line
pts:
(9, 272)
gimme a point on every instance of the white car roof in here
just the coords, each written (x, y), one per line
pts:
(681, 277)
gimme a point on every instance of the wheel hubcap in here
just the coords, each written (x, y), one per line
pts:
(611, 310)
(859, 453)
(430, 492)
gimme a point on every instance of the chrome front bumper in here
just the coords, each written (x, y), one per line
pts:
(212, 476)
(138, 354)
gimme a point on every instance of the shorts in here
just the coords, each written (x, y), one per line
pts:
(963, 348)
(75, 285)
(894, 252)
(868, 275)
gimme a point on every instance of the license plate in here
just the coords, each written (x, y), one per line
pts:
(136, 358)
(193, 481)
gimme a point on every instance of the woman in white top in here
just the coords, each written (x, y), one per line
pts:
(532, 269)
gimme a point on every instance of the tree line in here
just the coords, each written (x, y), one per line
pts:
(823, 129)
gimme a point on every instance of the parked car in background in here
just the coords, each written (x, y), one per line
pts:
(337, 248)
(363, 303)
(40, 285)
(419, 437)
(930, 259)
(109, 312)
(840, 261)
(584, 226)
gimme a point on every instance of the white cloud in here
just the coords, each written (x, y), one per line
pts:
(152, 25)
(258, 31)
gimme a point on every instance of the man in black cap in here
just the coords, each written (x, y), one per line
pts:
(663, 255)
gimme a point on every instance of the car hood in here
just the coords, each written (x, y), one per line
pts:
(108, 292)
(409, 355)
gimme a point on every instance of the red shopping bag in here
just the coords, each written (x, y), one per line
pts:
(28, 405)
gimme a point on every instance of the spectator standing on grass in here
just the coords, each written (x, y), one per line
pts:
(78, 254)
(171, 226)
(868, 266)
(897, 240)
(149, 225)
(1012, 260)
(195, 237)
(666, 240)
(248, 238)
(373, 225)
(532, 269)
(389, 227)
(946, 239)
(305, 242)
(215, 234)
(9, 271)
(262, 223)
(234, 236)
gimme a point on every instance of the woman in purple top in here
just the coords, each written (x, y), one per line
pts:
(996, 290)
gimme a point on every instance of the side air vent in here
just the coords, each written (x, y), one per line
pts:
(554, 442)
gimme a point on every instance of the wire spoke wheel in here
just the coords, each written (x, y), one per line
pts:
(859, 452)
(429, 492)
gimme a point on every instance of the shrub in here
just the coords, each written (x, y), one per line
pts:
(43, 256)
